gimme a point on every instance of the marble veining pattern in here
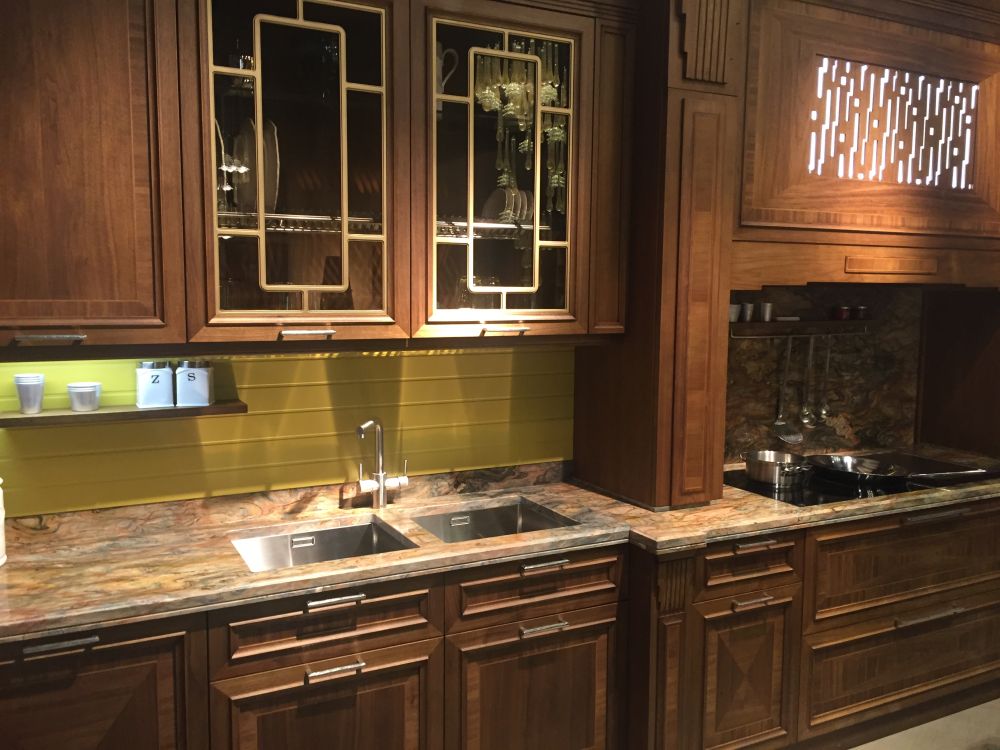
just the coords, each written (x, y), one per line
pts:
(71, 570)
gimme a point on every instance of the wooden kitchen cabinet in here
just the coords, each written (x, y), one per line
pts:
(387, 699)
(549, 683)
(304, 138)
(745, 650)
(91, 239)
(520, 180)
(130, 688)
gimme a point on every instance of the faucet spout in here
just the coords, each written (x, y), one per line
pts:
(379, 474)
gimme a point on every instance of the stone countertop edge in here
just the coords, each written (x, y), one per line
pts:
(208, 574)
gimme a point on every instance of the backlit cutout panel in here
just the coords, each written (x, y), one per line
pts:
(878, 124)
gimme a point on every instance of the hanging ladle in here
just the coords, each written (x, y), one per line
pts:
(781, 428)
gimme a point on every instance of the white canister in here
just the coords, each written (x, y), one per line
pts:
(154, 385)
(3, 516)
(194, 383)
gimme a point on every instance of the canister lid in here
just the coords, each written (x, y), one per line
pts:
(195, 364)
(154, 365)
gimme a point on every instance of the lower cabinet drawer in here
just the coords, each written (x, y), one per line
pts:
(387, 699)
(292, 631)
(854, 674)
(736, 567)
(548, 682)
(480, 597)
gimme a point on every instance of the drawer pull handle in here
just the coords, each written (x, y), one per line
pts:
(505, 329)
(744, 605)
(741, 548)
(349, 599)
(311, 677)
(544, 565)
(48, 648)
(539, 629)
(900, 623)
(306, 332)
(945, 515)
(300, 542)
(52, 338)
(460, 521)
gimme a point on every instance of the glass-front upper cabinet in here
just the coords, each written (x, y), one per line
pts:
(301, 181)
(505, 187)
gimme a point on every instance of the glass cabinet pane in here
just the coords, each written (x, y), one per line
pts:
(300, 152)
(502, 120)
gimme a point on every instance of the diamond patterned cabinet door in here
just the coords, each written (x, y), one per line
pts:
(745, 649)
(127, 690)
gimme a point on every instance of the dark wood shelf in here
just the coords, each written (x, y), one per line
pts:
(129, 413)
(778, 329)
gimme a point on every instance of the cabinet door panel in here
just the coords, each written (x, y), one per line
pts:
(91, 235)
(391, 702)
(747, 650)
(137, 691)
(544, 684)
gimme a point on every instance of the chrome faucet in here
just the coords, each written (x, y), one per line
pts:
(379, 482)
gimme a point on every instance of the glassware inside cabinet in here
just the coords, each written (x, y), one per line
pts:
(502, 122)
(300, 156)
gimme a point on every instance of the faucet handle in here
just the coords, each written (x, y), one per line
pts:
(406, 463)
(361, 471)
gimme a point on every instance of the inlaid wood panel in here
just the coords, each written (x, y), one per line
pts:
(746, 651)
(708, 45)
(543, 684)
(852, 675)
(861, 568)
(706, 178)
(91, 236)
(391, 701)
(126, 689)
(859, 123)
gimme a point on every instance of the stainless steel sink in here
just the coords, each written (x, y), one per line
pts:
(262, 553)
(515, 518)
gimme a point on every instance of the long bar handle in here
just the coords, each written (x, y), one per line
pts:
(539, 629)
(746, 604)
(69, 338)
(311, 677)
(306, 332)
(901, 623)
(741, 548)
(945, 515)
(544, 565)
(505, 329)
(72, 644)
(348, 599)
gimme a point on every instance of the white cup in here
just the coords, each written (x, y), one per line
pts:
(766, 311)
(734, 313)
(30, 389)
(746, 314)
(84, 396)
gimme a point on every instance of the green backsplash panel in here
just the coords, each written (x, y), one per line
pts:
(443, 410)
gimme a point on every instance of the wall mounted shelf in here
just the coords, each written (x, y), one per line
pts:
(128, 413)
(799, 329)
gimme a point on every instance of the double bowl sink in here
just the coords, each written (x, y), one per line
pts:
(271, 552)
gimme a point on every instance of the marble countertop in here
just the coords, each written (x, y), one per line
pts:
(70, 570)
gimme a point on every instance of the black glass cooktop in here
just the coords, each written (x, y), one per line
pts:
(814, 491)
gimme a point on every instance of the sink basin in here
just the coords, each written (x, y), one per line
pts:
(501, 520)
(262, 553)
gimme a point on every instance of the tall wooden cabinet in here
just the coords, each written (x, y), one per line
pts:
(91, 224)
(660, 392)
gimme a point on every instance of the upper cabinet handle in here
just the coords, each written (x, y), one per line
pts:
(50, 338)
(306, 332)
(505, 329)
